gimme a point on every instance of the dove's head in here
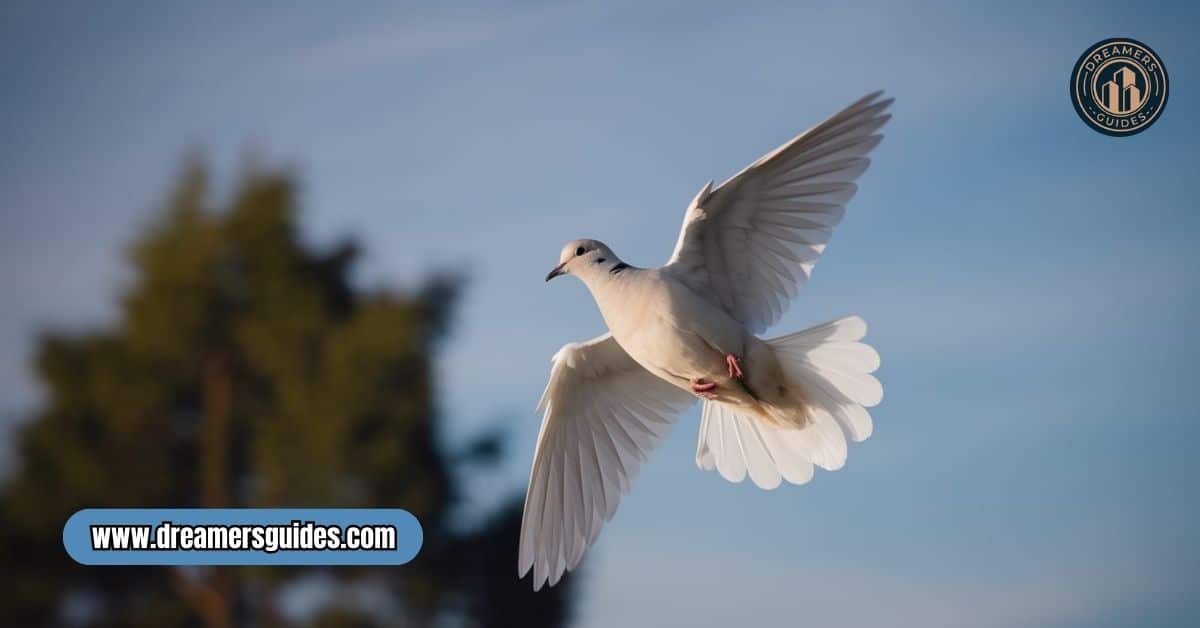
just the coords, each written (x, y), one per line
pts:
(586, 259)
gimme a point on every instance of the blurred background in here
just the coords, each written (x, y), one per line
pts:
(292, 254)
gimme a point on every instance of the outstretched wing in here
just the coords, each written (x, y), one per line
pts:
(750, 244)
(603, 414)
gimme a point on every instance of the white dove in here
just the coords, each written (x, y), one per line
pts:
(772, 408)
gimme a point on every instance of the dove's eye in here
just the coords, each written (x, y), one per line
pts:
(580, 251)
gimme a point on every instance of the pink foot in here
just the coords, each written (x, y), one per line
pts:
(704, 389)
(735, 365)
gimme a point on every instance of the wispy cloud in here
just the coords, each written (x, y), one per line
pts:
(412, 36)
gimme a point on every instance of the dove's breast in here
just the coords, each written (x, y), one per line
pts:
(667, 328)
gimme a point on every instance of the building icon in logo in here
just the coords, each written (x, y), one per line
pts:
(1120, 95)
(1119, 87)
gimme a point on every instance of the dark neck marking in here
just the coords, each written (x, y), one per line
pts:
(616, 270)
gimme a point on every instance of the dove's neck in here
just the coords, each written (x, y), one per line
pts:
(616, 287)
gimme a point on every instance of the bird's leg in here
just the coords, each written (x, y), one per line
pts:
(704, 389)
(734, 365)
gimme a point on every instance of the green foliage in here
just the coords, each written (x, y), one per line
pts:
(247, 370)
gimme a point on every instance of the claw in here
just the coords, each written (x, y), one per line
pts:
(734, 365)
(704, 389)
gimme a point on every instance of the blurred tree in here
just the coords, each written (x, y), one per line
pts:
(247, 370)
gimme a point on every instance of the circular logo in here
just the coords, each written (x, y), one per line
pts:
(1119, 86)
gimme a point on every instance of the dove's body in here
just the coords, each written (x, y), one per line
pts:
(679, 336)
(773, 408)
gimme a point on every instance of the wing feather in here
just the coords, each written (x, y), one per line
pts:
(787, 203)
(602, 416)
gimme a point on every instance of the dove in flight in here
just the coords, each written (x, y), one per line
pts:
(773, 408)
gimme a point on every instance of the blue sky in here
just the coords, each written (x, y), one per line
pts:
(1030, 283)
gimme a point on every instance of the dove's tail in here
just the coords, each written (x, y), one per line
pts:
(832, 371)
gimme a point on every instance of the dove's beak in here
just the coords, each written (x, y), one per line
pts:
(558, 270)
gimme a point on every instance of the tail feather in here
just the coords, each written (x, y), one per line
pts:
(834, 371)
